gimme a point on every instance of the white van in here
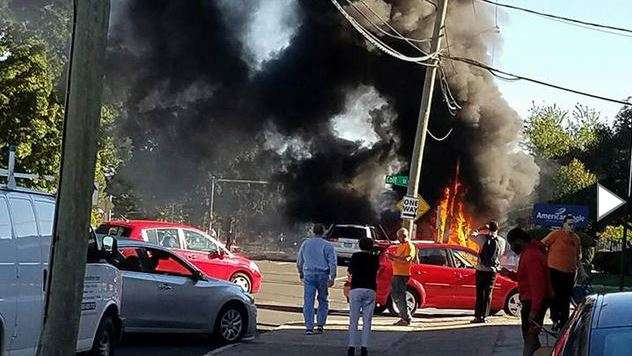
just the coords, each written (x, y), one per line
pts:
(26, 227)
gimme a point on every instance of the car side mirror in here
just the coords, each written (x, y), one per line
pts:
(198, 276)
(215, 254)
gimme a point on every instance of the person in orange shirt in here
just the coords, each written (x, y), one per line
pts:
(563, 260)
(402, 260)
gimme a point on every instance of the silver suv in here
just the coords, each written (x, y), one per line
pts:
(345, 238)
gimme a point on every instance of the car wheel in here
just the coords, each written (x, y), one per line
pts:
(242, 281)
(513, 306)
(231, 324)
(103, 344)
(412, 301)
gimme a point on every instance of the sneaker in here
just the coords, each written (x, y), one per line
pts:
(309, 332)
(402, 322)
(364, 351)
(477, 321)
(319, 330)
(351, 351)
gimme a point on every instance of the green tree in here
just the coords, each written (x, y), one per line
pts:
(566, 139)
(30, 113)
(571, 178)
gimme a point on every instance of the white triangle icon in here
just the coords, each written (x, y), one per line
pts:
(607, 202)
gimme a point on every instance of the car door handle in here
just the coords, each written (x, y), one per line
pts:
(164, 286)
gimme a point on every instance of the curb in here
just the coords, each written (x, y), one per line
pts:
(297, 309)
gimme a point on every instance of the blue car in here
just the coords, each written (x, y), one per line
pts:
(600, 326)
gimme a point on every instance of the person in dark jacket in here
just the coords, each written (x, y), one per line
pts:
(492, 247)
(534, 286)
(363, 270)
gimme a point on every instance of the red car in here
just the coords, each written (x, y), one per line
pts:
(193, 245)
(444, 279)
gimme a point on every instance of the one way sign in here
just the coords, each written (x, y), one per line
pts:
(409, 207)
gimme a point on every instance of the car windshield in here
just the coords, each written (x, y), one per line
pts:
(347, 232)
(611, 342)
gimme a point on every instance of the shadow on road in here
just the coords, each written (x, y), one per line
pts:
(166, 344)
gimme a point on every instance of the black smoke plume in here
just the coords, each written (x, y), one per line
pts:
(195, 105)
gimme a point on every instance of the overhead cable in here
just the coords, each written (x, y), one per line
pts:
(378, 43)
(439, 138)
(556, 17)
(510, 76)
(379, 28)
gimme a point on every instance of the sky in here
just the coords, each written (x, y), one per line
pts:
(566, 55)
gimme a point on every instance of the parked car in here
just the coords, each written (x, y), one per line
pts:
(193, 245)
(26, 227)
(345, 238)
(163, 293)
(444, 278)
(600, 326)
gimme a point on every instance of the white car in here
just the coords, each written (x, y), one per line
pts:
(163, 293)
(26, 226)
(345, 238)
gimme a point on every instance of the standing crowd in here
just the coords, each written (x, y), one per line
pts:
(546, 274)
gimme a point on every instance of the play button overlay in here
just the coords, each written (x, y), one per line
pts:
(607, 202)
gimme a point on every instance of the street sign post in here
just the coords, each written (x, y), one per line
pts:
(401, 181)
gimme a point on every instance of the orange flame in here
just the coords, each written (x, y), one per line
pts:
(455, 225)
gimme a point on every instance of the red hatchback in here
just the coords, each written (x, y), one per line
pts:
(444, 279)
(193, 245)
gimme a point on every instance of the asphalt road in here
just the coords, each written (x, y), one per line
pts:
(279, 304)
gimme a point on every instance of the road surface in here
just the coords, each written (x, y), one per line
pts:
(435, 331)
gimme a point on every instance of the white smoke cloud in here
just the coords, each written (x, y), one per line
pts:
(355, 123)
(266, 27)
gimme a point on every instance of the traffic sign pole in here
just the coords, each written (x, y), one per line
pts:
(424, 111)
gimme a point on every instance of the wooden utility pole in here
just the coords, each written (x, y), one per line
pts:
(424, 111)
(64, 287)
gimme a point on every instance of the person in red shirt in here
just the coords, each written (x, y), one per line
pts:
(534, 286)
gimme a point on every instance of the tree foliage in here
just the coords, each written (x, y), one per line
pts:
(30, 112)
(554, 133)
(572, 178)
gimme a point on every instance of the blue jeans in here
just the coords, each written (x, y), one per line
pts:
(361, 301)
(313, 283)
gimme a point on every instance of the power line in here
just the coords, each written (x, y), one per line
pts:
(556, 17)
(514, 77)
(378, 43)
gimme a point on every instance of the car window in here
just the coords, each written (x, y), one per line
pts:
(161, 262)
(131, 259)
(23, 218)
(198, 242)
(45, 217)
(347, 232)
(152, 236)
(168, 238)
(5, 222)
(120, 232)
(433, 256)
(464, 259)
